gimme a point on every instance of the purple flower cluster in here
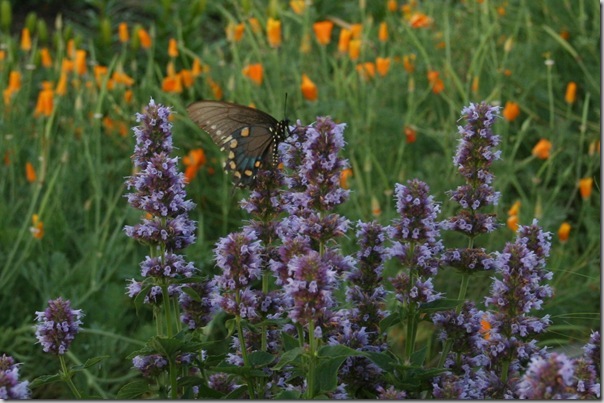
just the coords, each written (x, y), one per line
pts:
(475, 154)
(416, 242)
(150, 365)
(57, 326)
(159, 186)
(196, 304)
(10, 386)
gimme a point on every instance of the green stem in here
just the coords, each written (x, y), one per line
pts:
(246, 360)
(66, 376)
(173, 381)
(411, 331)
(310, 380)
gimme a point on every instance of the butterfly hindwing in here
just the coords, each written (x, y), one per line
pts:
(247, 136)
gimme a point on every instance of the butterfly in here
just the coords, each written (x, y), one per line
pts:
(249, 136)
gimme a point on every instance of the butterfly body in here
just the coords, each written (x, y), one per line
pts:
(249, 136)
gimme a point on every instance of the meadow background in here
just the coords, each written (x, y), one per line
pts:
(74, 75)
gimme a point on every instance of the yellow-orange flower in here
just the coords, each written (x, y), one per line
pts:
(255, 72)
(30, 172)
(344, 175)
(298, 6)
(128, 94)
(187, 78)
(435, 82)
(62, 84)
(45, 103)
(410, 134)
(172, 84)
(512, 222)
(344, 40)
(144, 38)
(383, 32)
(564, 232)
(366, 70)
(45, 58)
(197, 68)
(322, 31)
(172, 48)
(120, 77)
(376, 210)
(122, 32)
(510, 111)
(542, 149)
(571, 93)
(409, 63)
(515, 209)
(273, 32)
(25, 40)
(37, 228)
(585, 187)
(80, 62)
(216, 89)
(475, 84)
(234, 32)
(420, 20)
(382, 64)
(14, 80)
(67, 66)
(99, 73)
(392, 5)
(193, 161)
(356, 30)
(255, 25)
(594, 147)
(309, 89)
(354, 49)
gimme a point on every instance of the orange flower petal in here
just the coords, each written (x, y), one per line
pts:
(309, 89)
(585, 187)
(510, 111)
(322, 31)
(564, 232)
(542, 149)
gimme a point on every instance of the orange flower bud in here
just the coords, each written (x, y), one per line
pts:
(62, 84)
(30, 172)
(510, 111)
(25, 40)
(172, 48)
(298, 6)
(564, 232)
(344, 41)
(585, 187)
(515, 209)
(80, 62)
(215, 87)
(392, 5)
(376, 210)
(354, 49)
(409, 63)
(322, 31)
(420, 20)
(435, 82)
(122, 32)
(144, 38)
(410, 134)
(45, 57)
(382, 65)
(344, 175)
(512, 222)
(45, 103)
(309, 89)
(37, 228)
(571, 93)
(356, 30)
(542, 149)
(383, 32)
(366, 70)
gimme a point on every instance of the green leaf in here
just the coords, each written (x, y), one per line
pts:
(289, 342)
(338, 351)
(389, 321)
(326, 376)
(89, 363)
(191, 293)
(383, 360)
(288, 357)
(288, 395)
(261, 358)
(237, 393)
(418, 357)
(133, 390)
(44, 380)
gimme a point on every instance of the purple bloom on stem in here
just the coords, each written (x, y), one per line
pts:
(153, 135)
(10, 387)
(551, 377)
(474, 157)
(57, 326)
(150, 365)
(168, 266)
(196, 304)
(390, 394)
(592, 351)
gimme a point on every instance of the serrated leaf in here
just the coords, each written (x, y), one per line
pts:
(90, 362)
(337, 351)
(133, 390)
(288, 357)
(44, 380)
(389, 321)
(261, 358)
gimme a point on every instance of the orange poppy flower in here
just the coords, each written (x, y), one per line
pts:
(475, 83)
(366, 70)
(585, 187)
(420, 20)
(216, 89)
(128, 94)
(383, 32)
(37, 228)
(144, 38)
(80, 62)
(255, 72)
(571, 93)
(122, 32)
(356, 30)
(382, 65)
(392, 5)
(298, 6)
(172, 48)
(309, 89)
(542, 149)
(344, 41)
(322, 31)
(512, 222)
(354, 49)
(30, 172)
(193, 161)
(14, 80)
(255, 25)
(273, 31)
(45, 103)
(510, 111)
(45, 58)
(187, 78)
(344, 175)
(564, 232)
(515, 209)
(25, 40)
(197, 68)
(594, 147)
(409, 63)
(234, 32)
(62, 84)
(435, 82)
(122, 78)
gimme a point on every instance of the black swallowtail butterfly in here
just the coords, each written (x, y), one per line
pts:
(249, 136)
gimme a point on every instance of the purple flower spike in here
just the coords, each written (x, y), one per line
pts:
(58, 326)
(10, 387)
(548, 378)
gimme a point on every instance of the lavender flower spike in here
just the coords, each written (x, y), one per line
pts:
(58, 326)
(10, 387)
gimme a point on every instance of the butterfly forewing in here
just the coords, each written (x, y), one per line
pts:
(247, 136)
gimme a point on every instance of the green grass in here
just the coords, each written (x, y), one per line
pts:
(78, 194)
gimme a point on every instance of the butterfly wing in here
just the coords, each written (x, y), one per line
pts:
(247, 135)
